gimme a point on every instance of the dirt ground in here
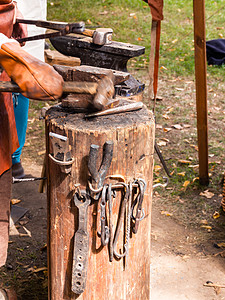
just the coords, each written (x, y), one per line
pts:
(182, 261)
(188, 237)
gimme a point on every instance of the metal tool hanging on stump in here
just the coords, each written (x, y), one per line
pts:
(130, 214)
(81, 244)
(82, 200)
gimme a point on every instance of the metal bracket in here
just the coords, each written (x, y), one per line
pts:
(61, 152)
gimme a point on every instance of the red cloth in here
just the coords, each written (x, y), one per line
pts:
(156, 7)
(8, 138)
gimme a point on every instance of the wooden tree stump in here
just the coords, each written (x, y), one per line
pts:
(133, 137)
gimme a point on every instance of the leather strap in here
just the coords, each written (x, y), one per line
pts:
(151, 59)
(154, 60)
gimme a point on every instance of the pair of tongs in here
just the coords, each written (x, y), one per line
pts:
(60, 27)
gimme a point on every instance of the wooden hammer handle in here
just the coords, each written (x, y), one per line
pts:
(68, 87)
(88, 32)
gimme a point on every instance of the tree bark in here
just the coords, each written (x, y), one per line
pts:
(133, 137)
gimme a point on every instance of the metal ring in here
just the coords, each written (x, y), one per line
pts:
(120, 255)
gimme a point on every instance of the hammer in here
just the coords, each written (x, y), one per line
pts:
(100, 36)
(102, 91)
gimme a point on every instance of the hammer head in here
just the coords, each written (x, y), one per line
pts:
(102, 36)
(105, 91)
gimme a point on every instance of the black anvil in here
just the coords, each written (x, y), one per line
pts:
(111, 56)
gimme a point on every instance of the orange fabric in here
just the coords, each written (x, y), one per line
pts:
(36, 79)
(8, 134)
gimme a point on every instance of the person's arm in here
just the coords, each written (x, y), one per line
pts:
(19, 30)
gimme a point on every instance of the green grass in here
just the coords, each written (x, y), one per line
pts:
(131, 22)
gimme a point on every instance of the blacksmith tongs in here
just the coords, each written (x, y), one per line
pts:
(61, 28)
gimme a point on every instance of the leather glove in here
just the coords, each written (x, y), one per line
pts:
(36, 79)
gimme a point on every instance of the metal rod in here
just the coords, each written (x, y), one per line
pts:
(162, 160)
(116, 110)
(16, 180)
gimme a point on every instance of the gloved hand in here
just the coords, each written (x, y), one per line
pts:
(36, 79)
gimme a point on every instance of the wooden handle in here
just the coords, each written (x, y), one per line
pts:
(83, 87)
(68, 87)
(88, 32)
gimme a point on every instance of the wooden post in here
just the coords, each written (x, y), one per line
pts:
(201, 89)
(133, 137)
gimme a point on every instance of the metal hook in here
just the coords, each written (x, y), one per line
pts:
(138, 201)
(104, 228)
(119, 225)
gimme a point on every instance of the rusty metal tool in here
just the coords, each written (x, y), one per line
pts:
(117, 110)
(162, 160)
(104, 228)
(138, 202)
(109, 199)
(61, 153)
(100, 36)
(120, 221)
(17, 180)
(98, 175)
(60, 27)
(128, 221)
(81, 245)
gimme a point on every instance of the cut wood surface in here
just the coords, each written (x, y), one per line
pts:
(133, 137)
